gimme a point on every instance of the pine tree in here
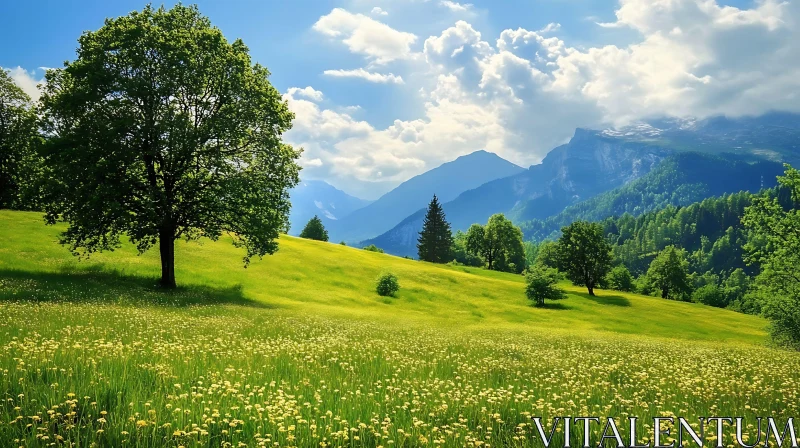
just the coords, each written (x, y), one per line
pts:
(435, 239)
(314, 230)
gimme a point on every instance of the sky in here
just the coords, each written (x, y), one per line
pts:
(383, 90)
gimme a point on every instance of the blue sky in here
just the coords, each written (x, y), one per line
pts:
(386, 89)
(279, 35)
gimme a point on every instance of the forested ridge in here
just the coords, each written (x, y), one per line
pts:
(679, 180)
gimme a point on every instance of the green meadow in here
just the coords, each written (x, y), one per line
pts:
(297, 349)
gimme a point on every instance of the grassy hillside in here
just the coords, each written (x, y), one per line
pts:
(328, 279)
(297, 350)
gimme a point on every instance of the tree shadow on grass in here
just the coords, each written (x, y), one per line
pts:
(96, 284)
(553, 306)
(605, 300)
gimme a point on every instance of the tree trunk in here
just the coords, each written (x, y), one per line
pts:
(166, 243)
(591, 290)
(664, 293)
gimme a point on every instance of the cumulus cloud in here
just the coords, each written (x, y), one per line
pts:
(311, 163)
(364, 35)
(307, 92)
(550, 28)
(378, 11)
(522, 92)
(26, 80)
(364, 74)
(455, 6)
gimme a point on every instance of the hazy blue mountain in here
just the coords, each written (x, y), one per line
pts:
(589, 164)
(447, 182)
(316, 197)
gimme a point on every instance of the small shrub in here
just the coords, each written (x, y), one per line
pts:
(374, 248)
(710, 295)
(342, 243)
(542, 283)
(387, 284)
(620, 279)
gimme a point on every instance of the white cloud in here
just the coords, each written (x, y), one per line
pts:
(363, 74)
(312, 163)
(550, 28)
(363, 35)
(523, 92)
(307, 92)
(455, 6)
(378, 11)
(26, 81)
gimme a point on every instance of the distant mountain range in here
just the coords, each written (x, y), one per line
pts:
(774, 136)
(316, 197)
(446, 181)
(594, 162)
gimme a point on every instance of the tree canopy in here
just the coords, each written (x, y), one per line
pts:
(314, 230)
(18, 136)
(620, 279)
(775, 245)
(499, 243)
(435, 240)
(583, 254)
(669, 272)
(162, 129)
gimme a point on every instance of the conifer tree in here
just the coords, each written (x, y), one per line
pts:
(314, 230)
(435, 239)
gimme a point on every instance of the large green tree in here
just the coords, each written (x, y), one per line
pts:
(774, 243)
(499, 243)
(435, 240)
(584, 255)
(669, 272)
(162, 129)
(314, 230)
(18, 137)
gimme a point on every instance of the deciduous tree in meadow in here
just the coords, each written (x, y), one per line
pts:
(584, 255)
(162, 129)
(669, 272)
(620, 279)
(435, 240)
(314, 230)
(499, 243)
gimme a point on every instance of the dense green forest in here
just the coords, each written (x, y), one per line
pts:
(709, 238)
(679, 180)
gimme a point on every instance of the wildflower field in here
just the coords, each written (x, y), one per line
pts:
(298, 350)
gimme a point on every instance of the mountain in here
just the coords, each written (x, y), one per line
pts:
(596, 161)
(316, 197)
(772, 136)
(589, 164)
(679, 180)
(447, 182)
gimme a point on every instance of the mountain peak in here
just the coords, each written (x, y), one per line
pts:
(480, 154)
(447, 181)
